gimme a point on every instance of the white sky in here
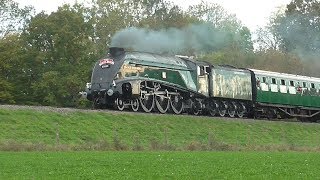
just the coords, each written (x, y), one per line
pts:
(252, 13)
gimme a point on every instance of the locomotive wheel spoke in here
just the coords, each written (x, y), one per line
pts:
(213, 108)
(176, 104)
(194, 110)
(240, 114)
(222, 109)
(135, 105)
(96, 103)
(231, 110)
(240, 110)
(213, 112)
(119, 104)
(147, 103)
(162, 103)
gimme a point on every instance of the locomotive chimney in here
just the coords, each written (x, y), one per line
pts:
(116, 51)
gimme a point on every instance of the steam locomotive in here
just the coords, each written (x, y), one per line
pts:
(176, 84)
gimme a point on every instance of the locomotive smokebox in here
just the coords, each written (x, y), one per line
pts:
(116, 51)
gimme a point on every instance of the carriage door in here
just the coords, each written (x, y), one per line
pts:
(203, 79)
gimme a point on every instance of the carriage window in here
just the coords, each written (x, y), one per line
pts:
(273, 81)
(291, 83)
(304, 84)
(283, 82)
(312, 86)
(264, 79)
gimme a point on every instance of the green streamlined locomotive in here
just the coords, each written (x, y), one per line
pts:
(176, 84)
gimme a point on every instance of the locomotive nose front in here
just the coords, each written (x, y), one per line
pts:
(104, 73)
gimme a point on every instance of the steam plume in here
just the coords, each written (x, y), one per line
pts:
(193, 38)
(301, 37)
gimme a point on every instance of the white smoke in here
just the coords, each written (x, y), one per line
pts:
(193, 38)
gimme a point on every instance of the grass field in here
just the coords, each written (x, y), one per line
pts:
(88, 141)
(39, 130)
(159, 165)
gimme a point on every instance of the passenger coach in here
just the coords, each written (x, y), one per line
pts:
(287, 95)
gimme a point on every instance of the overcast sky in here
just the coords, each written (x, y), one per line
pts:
(252, 13)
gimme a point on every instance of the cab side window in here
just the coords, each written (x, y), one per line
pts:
(201, 71)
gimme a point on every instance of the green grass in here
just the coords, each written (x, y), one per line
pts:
(159, 165)
(78, 128)
(30, 130)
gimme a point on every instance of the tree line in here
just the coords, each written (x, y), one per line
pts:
(46, 59)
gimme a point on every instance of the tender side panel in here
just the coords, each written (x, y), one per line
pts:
(231, 83)
(203, 84)
(286, 89)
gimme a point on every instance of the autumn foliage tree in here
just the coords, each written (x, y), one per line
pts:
(295, 32)
(12, 20)
(62, 53)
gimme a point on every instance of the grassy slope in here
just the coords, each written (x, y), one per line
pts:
(159, 165)
(29, 126)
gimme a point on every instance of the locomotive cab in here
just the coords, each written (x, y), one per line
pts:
(203, 71)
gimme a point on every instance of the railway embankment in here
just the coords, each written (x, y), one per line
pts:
(29, 128)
